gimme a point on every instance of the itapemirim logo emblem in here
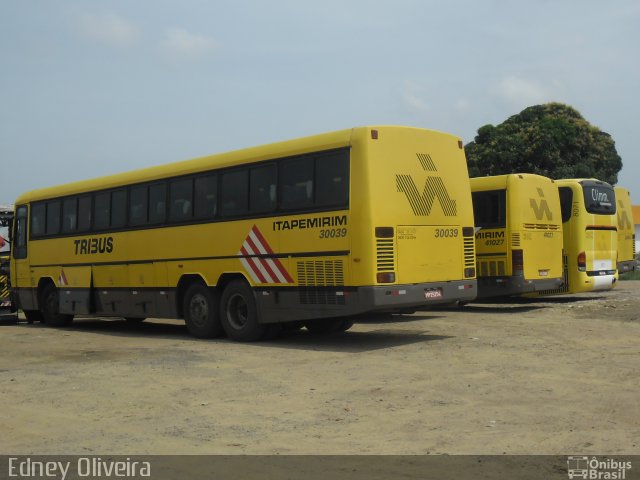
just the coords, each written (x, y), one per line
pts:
(582, 466)
(541, 209)
(623, 219)
(422, 203)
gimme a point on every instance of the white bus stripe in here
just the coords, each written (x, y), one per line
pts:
(249, 270)
(258, 263)
(257, 243)
(277, 271)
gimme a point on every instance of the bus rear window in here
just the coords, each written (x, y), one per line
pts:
(599, 199)
(490, 208)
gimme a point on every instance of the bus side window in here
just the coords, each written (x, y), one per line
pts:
(69, 215)
(20, 233)
(84, 214)
(234, 195)
(332, 179)
(38, 219)
(157, 203)
(566, 201)
(138, 205)
(181, 199)
(118, 208)
(53, 217)
(296, 182)
(206, 196)
(262, 189)
(102, 210)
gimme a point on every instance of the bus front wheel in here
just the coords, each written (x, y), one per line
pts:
(50, 308)
(33, 316)
(201, 311)
(239, 313)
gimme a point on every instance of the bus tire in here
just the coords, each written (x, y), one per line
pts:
(50, 307)
(330, 325)
(33, 316)
(200, 309)
(239, 313)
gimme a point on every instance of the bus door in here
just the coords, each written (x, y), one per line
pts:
(23, 283)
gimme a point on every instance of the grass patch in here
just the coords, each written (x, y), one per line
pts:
(635, 275)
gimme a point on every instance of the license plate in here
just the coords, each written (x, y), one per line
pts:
(432, 293)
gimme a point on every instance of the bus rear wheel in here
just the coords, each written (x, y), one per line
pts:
(239, 313)
(50, 308)
(200, 309)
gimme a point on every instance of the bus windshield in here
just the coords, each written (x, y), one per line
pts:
(599, 199)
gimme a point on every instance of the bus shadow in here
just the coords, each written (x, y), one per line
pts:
(127, 329)
(351, 341)
(561, 300)
(387, 318)
(507, 309)
(510, 305)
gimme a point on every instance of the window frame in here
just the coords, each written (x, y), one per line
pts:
(160, 192)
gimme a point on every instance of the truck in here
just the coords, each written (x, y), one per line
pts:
(6, 219)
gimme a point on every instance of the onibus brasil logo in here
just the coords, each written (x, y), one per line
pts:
(594, 468)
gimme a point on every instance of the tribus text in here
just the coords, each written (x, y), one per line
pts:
(91, 246)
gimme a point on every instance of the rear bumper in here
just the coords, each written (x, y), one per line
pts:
(398, 297)
(602, 282)
(514, 285)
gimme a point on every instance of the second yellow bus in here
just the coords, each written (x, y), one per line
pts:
(518, 234)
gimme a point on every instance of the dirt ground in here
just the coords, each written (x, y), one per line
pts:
(552, 376)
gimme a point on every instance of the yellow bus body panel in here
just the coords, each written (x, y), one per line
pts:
(418, 181)
(626, 231)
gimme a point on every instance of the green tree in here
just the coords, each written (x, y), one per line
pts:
(553, 140)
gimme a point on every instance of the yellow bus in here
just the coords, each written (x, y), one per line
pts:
(626, 231)
(590, 237)
(315, 229)
(518, 234)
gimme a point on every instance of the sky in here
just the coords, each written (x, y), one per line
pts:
(90, 88)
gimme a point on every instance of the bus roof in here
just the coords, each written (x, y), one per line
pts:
(324, 141)
(502, 181)
(583, 181)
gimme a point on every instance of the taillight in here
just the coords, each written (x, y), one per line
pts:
(517, 261)
(386, 277)
(582, 262)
